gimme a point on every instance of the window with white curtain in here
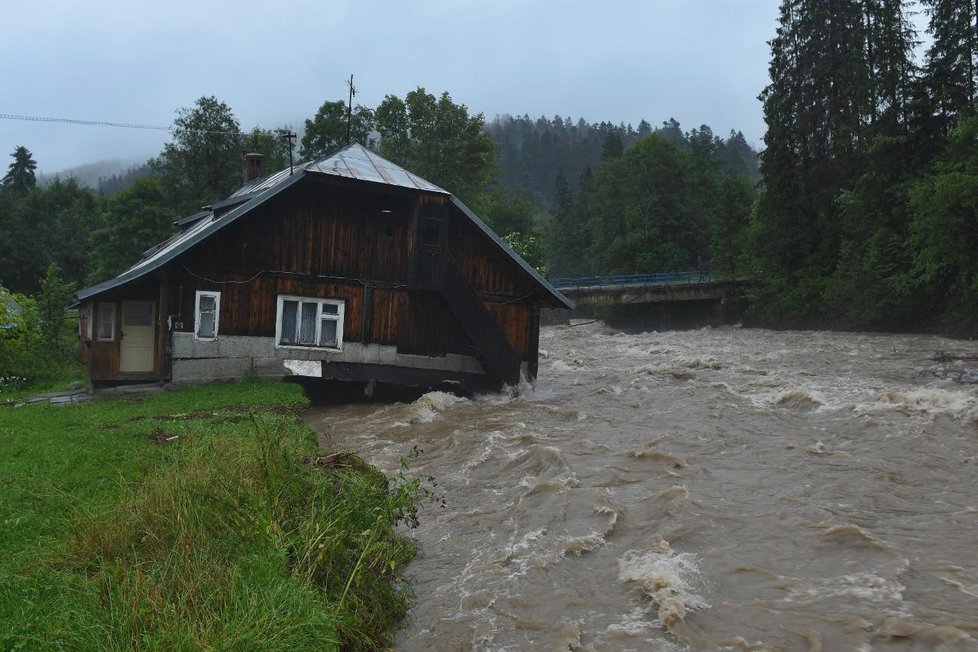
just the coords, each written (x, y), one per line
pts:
(106, 322)
(309, 322)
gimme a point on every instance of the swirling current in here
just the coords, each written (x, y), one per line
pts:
(724, 488)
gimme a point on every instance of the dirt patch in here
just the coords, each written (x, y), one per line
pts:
(160, 436)
(328, 461)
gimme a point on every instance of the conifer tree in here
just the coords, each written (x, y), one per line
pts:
(20, 174)
(567, 252)
(952, 59)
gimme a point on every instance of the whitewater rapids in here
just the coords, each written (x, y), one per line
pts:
(712, 489)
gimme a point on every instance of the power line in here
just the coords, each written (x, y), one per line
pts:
(73, 121)
(105, 123)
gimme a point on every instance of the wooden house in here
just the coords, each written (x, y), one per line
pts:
(347, 268)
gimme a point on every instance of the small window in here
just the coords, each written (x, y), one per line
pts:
(207, 312)
(304, 321)
(106, 322)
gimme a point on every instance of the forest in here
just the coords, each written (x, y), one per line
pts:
(860, 212)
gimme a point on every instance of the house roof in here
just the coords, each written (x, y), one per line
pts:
(353, 162)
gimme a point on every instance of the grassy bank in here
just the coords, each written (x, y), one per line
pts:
(195, 519)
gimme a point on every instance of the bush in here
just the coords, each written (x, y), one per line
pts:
(37, 342)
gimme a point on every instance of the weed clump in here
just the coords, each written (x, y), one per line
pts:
(236, 542)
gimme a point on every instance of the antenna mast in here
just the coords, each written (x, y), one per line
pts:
(349, 109)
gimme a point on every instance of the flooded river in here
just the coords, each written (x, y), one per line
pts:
(712, 489)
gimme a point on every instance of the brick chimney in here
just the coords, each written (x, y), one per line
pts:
(253, 167)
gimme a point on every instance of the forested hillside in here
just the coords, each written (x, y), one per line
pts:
(531, 152)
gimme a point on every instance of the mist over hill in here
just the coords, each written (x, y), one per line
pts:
(105, 177)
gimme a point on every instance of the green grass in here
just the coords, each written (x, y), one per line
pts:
(224, 536)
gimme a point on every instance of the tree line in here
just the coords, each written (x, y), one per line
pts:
(860, 211)
(868, 216)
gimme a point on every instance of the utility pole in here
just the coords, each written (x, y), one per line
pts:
(349, 109)
(288, 136)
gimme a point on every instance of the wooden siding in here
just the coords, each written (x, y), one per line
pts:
(514, 321)
(383, 326)
(343, 241)
(426, 326)
(319, 231)
(332, 242)
(489, 270)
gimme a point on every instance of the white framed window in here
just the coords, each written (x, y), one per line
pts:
(106, 322)
(207, 312)
(309, 322)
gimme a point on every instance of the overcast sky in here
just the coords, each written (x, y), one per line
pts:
(275, 62)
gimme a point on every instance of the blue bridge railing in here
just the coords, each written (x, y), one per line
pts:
(631, 280)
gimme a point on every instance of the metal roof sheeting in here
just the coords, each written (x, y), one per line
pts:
(358, 162)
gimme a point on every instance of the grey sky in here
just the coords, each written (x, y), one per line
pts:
(700, 61)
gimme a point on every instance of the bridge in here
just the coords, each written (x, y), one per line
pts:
(661, 299)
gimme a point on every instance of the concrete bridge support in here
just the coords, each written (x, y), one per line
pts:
(660, 307)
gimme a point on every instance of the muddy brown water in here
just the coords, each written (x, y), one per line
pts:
(712, 489)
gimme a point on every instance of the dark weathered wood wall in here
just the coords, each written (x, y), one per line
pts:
(340, 240)
(334, 241)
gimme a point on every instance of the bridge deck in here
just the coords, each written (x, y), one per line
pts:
(630, 280)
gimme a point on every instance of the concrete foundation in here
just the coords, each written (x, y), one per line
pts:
(235, 357)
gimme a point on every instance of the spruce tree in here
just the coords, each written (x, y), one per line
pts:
(952, 59)
(20, 174)
(567, 252)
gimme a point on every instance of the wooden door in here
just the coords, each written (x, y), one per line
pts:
(137, 346)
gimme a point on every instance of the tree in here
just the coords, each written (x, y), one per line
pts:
(952, 59)
(733, 205)
(651, 211)
(817, 107)
(20, 174)
(131, 222)
(327, 131)
(510, 212)
(52, 304)
(203, 162)
(42, 226)
(438, 140)
(613, 146)
(567, 250)
(945, 226)
(272, 145)
(71, 212)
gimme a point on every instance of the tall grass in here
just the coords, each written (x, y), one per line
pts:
(234, 539)
(238, 542)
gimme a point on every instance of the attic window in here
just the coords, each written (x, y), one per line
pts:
(309, 322)
(207, 311)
